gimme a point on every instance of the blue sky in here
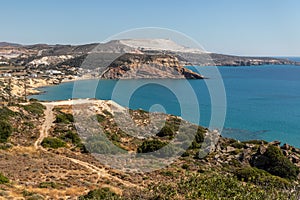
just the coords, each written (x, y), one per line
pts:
(242, 27)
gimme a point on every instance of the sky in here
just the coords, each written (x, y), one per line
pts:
(239, 27)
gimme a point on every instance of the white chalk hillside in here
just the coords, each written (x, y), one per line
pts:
(158, 45)
(50, 60)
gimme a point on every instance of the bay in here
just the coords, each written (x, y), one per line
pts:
(263, 102)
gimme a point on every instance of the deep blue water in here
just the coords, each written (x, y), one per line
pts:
(262, 102)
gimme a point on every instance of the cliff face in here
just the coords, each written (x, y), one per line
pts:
(135, 66)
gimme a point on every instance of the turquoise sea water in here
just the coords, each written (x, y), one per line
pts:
(262, 102)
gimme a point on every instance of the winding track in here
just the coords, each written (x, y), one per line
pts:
(44, 132)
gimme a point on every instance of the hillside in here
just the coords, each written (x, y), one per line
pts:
(43, 157)
(24, 54)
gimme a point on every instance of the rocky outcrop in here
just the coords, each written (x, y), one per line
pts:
(135, 66)
(260, 154)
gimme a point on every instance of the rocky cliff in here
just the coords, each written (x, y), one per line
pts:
(134, 66)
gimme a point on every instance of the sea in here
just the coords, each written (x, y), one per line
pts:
(260, 102)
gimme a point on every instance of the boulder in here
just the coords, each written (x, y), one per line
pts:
(245, 157)
(295, 159)
(262, 149)
(285, 152)
(286, 147)
(230, 149)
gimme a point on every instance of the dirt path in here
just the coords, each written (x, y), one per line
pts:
(102, 173)
(44, 132)
(48, 122)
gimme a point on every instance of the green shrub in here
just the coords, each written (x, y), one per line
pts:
(260, 177)
(3, 179)
(185, 166)
(195, 145)
(107, 113)
(199, 138)
(64, 118)
(102, 193)
(274, 162)
(35, 197)
(100, 144)
(168, 173)
(280, 165)
(115, 138)
(255, 142)
(49, 185)
(238, 145)
(5, 131)
(101, 118)
(151, 146)
(82, 148)
(166, 131)
(5, 113)
(51, 142)
(71, 137)
(33, 100)
(217, 186)
(155, 145)
(185, 154)
(35, 108)
(26, 193)
(29, 124)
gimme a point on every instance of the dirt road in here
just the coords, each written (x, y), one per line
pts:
(44, 132)
(48, 122)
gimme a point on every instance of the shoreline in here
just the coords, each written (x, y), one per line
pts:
(33, 88)
(33, 85)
